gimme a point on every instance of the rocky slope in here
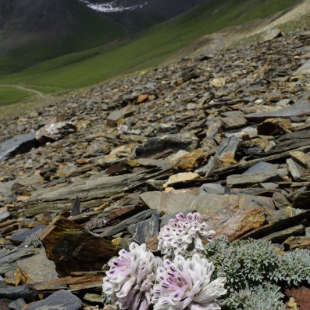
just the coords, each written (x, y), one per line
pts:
(225, 134)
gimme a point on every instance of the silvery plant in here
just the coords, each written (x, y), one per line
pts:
(137, 280)
(197, 272)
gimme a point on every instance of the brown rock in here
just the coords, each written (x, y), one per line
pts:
(116, 116)
(191, 161)
(301, 296)
(297, 242)
(74, 249)
(142, 98)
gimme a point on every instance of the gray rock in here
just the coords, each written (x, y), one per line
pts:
(212, 188)
(304, 69)
(4, 214)
(181, 201)
(301, 107)
(124, 225)
(261, 167)
(54, 132)
(116, 116)
(61, 300)
(228, 147)
(20, 238)
(271, 34)
(247, 180)
(147, 229)
(91, 193)
(8, 260)
(17, 304)
(175, 142)
(17, 145)
(282, 235)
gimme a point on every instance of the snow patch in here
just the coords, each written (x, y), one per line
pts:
(111, 7)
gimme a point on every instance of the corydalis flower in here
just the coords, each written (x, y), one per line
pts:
(185, 284)
(131, 277)
(183, 235)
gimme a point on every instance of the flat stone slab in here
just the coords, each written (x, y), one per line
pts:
(17, 145)
(229, 215)
(37, 268)
(301, 107)
(61, 300)
(92, 193)
(174, 142)
(304, 69)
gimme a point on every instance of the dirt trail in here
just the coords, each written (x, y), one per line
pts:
(41, 95)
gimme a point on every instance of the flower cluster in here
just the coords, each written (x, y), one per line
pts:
(130, 278)
(185, 284)
(183, 235)
(139, 281)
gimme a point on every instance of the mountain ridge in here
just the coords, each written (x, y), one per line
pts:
(148, 49)
(46, 29)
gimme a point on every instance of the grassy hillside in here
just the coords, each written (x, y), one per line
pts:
(150, 49)
(9, 95)
(32, 31)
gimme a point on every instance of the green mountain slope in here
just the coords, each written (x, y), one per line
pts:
(150, 49)
(35, 30)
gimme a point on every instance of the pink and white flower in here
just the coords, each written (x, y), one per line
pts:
(183, 235)
(185, 284)
(131, 276)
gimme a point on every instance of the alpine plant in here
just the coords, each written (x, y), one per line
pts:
(184, 236)
(137, 280)
(131, 276)
(185, 284)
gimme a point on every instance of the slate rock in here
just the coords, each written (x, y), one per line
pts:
(303, 69)
(262, 166)
(301, 107)
(18, 304)
(146, 230)
(54, 132)
(252, 179)
(21, 291)
(61, 300)
(8, 260)
(229, 215)
(4, 214)
(126, 224)
(175, 142)
(271, 34)
(228, 147)
(295, 169)
(73, 249)
(36, 268)
(20, 238)
(282, 235)
(17, 145)
(91, 192)
(212, 188)
(118, 115)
